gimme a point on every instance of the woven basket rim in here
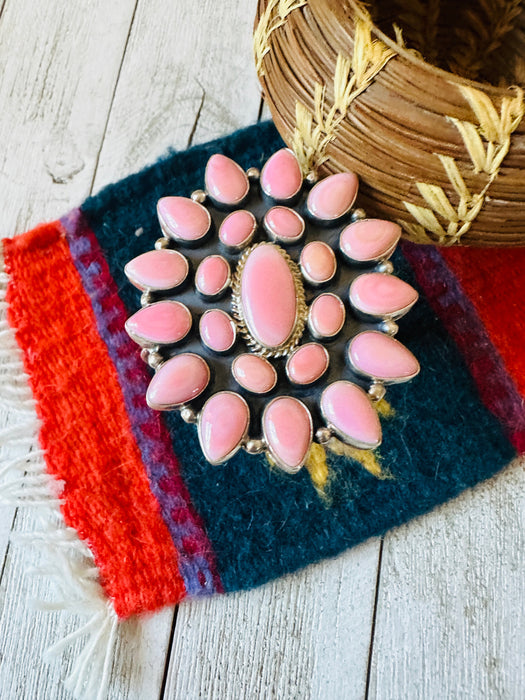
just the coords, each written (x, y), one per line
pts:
(412, 57)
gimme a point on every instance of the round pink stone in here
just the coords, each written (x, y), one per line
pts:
(307, 363)
(326, 316)
(284, 224)
(287, 428)
(369, 240)
(182, 218)
(237, 229)
(281, 177)
(254, 373)
(333, 196)
(379, 294)
(226, 182)
(161, 323)
(318, 262)
(177, 381)
(157, 270)
(222, 426)
(212, 276)
(217, 330)
(348, 411)
(268, 296)
(382, 357)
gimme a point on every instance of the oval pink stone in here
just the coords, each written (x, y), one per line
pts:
(254, 373)
(157, 270)
(212, 276)
(348, 411)
(326, 316)
(183, 219)
(284, 224)
(382, 357)
(370, 240)
(223, 424)
(281, 177)
(379, 294)
(237, 229)
(307, 363)
(268, 296)
(161, 323)
(333, 196)
(287, 428)
(177, 381)
(226, 182)
(318, 262)
(217, 330)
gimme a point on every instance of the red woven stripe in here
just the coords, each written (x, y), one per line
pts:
(85, 428)
(495, 284)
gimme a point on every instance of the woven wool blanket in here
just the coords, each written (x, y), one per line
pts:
(162, 524)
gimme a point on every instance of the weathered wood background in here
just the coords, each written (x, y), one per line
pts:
(90, 92)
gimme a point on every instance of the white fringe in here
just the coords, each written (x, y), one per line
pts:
(24, 481)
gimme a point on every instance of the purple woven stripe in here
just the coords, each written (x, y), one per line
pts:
(196, 559)
(446, 295)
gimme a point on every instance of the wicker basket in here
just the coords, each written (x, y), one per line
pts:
(392, 96)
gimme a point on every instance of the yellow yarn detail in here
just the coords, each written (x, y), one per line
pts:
(315, 129)
(487, 144)
(366, 458)
(384, 409)
(317, 467)
(273, 17)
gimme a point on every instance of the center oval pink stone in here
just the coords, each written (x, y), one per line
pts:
(268, 296)
(222, 426)
(287, 428)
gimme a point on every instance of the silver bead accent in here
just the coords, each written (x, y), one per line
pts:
(358, 215)
(389, 327)
(323, 435)
(199, 196)
(188, 415)
(377, 391)
(253, 173)
(155, 359)
(255, 447)
(386, 267)
(146, 298)
(144, 354)
(311, 177)
(161, 243)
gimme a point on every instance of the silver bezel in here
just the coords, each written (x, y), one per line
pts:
(311, 327)
(172, 406)
(226, 205)
(366, 315)
(283, 240)
(387, 381)
(142, 288)
(249, 238)
(344, 437)
(292, 355)
(171, 236)
(375, 259)
(275, 458)
(243, 386)
(311, 281)
(301, 311)
(232, 323)
(224, 287)
(242, 440)
(143, 342)
(270, 196)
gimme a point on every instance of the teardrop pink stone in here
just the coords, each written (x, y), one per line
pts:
(287, 428)
(281, 177)
(217, 330)
(307, 363)
(212, 276)
(382, 357)
(161, 323)
(226, 182)
(177, 381)
(349, 412)
(284, 224)
(326, 316)
(183, 219)
(318, 262)
(254, 373)
(237, 228)
(333, 197)
(370, 239)
(222, 426)
(379, 294)
(157, 270)
(268, 296)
